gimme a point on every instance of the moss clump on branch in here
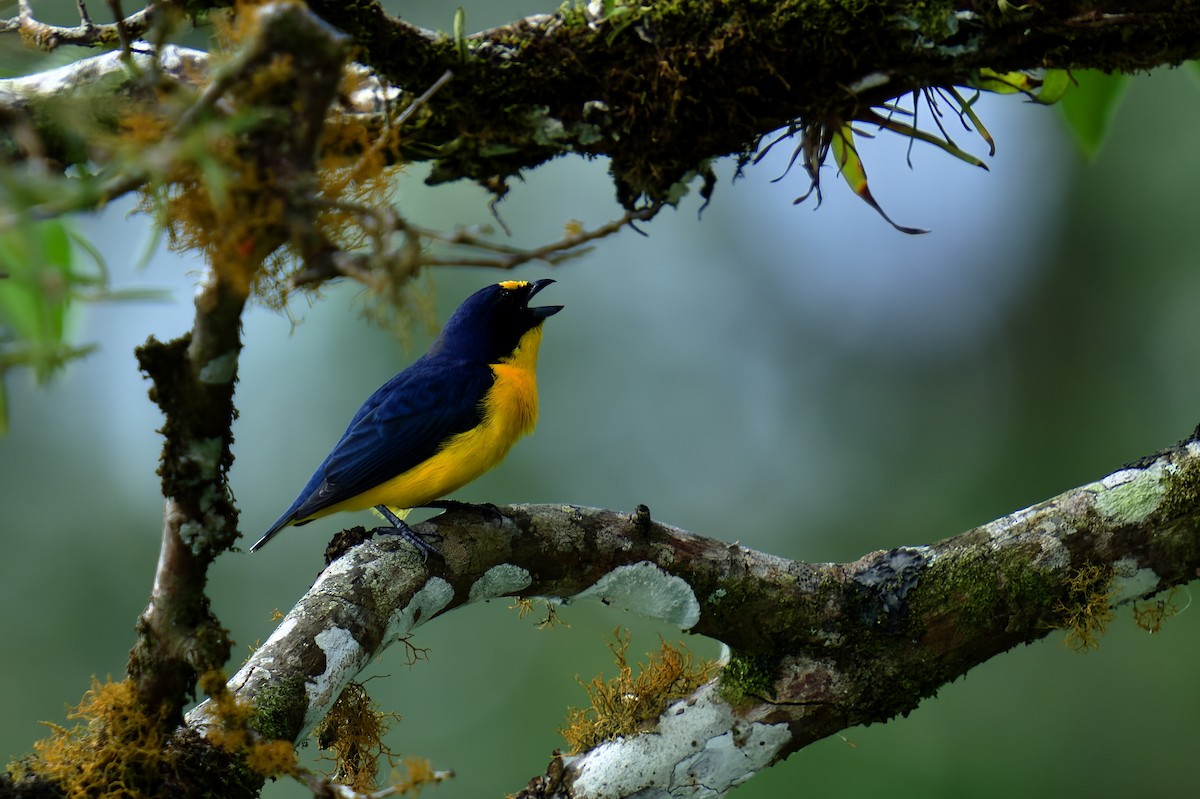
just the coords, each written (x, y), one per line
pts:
(353, 731)
(747, 677)
(116, 748)
(631, 702)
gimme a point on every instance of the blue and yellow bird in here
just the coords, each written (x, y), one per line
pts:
(440, 423)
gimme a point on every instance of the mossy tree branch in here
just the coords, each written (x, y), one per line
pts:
(663, 88)
(830, 645)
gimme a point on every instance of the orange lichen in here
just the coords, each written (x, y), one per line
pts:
(418, 772)
(1151, 613)
(1087, 609)
(234, 731)
(117, 749)
(524, 606)
(631, 702)
(353, 731)
(143, 127)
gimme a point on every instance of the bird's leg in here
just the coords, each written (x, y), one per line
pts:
(400, 527)
(483, 508)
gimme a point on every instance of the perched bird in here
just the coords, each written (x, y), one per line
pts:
(440, 423)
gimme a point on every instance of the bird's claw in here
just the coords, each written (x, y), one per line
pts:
(419, 540)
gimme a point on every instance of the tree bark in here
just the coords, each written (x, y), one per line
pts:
(814, 648)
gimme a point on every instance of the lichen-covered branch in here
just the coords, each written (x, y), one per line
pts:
(830, 645)
(86, 34)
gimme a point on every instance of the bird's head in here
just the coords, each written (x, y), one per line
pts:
(491, 322)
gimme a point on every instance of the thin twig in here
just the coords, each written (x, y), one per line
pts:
(84, 18)
(122, 32)
(552, 253)
(86, 34)
(424, 98)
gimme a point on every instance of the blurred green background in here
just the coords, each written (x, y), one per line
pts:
(808, 382)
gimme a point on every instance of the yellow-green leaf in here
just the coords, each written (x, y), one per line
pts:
(1054, 86)
(851, 168)
(989, 80)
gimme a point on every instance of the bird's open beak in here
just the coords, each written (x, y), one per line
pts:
(541, 311)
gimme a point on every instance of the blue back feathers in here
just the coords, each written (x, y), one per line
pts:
(410, 416)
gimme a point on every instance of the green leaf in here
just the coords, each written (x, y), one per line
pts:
(1089, 107)
(1047, 89)
(989, 80)
(1055, 84)
(845, 152)
(460, 34)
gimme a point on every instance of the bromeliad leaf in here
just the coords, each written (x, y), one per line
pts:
(851, 167)
(1047, 89)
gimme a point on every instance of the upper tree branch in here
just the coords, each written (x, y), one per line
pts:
(819, 647)
(663, 88)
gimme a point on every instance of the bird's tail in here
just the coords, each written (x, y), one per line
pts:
(283, 522)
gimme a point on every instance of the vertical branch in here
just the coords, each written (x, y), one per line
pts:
(286, 73)
(193, 378)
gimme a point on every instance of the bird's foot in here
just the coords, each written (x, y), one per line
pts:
(419, 540)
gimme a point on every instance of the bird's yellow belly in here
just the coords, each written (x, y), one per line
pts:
(510, 410)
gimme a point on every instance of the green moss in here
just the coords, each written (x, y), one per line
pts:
(981, 585)
(1030, 591)
(280, 709)
(965, 583)
(1181, 492)
(746, 676)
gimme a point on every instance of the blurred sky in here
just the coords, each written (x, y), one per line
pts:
(806, 381)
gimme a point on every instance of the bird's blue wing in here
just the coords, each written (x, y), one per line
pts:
(398, 427)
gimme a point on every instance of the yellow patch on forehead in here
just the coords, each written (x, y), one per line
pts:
(513, 284)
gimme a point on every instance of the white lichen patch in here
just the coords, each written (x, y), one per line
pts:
(220, 370)
(645, 589)
(699, 750)
(1129, 582)
(1054, 554)
(499, 580)
(205, 453)
(730, 759)
(425, 603)
(1130, 495)
(344, 658)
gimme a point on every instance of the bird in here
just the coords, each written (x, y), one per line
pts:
(442, 422)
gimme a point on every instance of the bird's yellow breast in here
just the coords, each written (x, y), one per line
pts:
(509, 411)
